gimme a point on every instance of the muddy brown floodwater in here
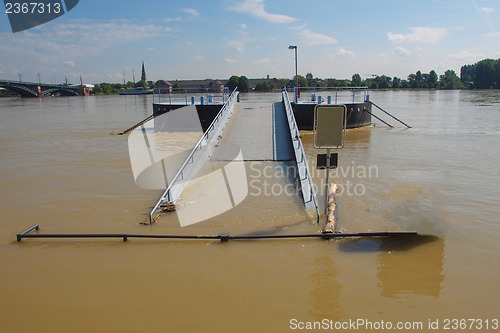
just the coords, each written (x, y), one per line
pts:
(60, 167)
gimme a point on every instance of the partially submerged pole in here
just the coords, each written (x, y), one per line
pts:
(387, 113)
(331, 219)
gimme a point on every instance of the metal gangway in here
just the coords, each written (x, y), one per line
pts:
(307, 187)
(198, 156)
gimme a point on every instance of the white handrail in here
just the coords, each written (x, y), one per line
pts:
(305, 178)
(205, 146)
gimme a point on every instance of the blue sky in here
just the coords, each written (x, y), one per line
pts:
(101, 39)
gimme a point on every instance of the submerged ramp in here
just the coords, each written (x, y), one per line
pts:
(197, 158)
(257, 153)
(259, 130)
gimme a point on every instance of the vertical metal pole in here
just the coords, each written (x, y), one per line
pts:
(328, 153)
(296, 71)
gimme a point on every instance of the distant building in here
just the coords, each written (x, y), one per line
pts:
(273, 83)
(164, 85)
(143, 76)
(212, 85)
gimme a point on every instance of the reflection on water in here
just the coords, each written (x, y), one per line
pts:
(326, 290)
(420, 275)
(406, 264)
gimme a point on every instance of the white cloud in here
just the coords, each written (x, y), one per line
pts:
(257, 9)
(69, 63)
(465, 55)
(300, 27)
(345, 53)
(425, 35)
(310, 38)
(230, 60)
(199, 57)
(402, 51)
(237, 45)
(493, 34)
(487, 10)
(263, 61)
(189, 43)
(61, 41)
(243, 26)
(191, 11)
(173, 19)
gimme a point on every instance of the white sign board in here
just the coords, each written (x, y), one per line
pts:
(329, 126)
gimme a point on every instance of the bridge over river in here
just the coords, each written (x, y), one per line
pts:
(32, 89)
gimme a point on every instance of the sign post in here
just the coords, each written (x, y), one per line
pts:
(329, 132)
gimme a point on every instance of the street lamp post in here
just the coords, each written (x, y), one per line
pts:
(294, 47)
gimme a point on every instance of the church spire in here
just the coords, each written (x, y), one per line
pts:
(143, 76)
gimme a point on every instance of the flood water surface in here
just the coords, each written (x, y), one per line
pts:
(61, 166)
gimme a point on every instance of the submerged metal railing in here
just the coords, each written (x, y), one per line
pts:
(190, 96)
(223, 237)
(306, 183)
(198, 156)
(331, 95)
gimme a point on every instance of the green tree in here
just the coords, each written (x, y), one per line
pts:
(233, 82)
(356, 80)
(141, 84)
(243, 84)
(412, 82)
(496, 74)
(467, 75)
(383, 82)
(108, 89)
(284, 82)
(336, 83)
(450, 81)
(432, 79)
(262, 87)
(484, 74)
(419, 78)
(425, 80)
(97, 89)
(396, 82)
(302, 81)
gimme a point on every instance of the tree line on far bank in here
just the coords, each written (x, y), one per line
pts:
(484, 74)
